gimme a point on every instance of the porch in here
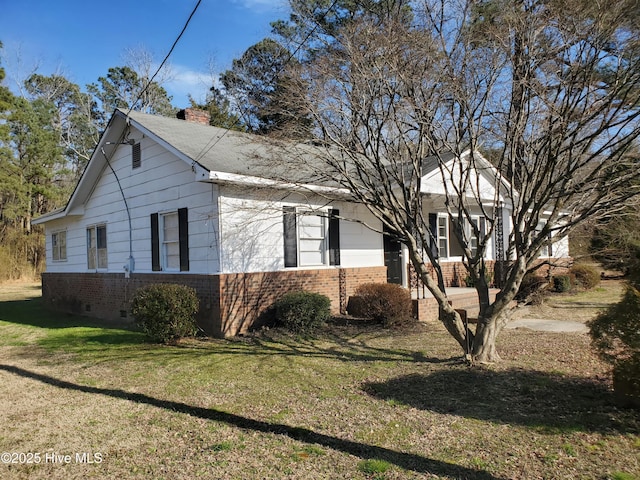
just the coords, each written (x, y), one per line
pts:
(463, 299)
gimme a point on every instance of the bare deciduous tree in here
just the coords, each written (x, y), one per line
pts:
(548, 86)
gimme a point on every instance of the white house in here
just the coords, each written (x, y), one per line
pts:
(176, 200)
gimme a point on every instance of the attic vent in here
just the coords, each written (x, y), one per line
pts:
(136, 158)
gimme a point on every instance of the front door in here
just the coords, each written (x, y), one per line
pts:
(393, 259)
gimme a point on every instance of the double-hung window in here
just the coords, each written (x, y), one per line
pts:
(59, 246)
(97, 247)
(311, 238)
(170, 241)
(312, 232)
(445, 239)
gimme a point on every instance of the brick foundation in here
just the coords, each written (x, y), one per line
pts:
(454, 274)
(229, 303)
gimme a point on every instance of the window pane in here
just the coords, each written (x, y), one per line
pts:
(312, 226)
(54, 247)
(311, 245)
(170, 227)
(101, 236)
(311, 258)
(91, 249)
(102, 258)
(442, 248)
(172, 255)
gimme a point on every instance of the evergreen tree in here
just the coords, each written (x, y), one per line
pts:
(219, 108)
(123, 88)
(263, 84)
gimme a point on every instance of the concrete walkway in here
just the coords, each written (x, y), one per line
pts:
(548, 325)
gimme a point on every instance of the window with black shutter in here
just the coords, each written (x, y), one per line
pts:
(170, 241)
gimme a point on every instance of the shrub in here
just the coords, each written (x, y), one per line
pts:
(302, 312)
(532, 289)
(166, 312)
(615, 334)
(468, 280)
(586, 276)
(562, 283)
(388, 303)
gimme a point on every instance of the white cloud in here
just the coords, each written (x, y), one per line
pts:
(186, 81)
(263, 4)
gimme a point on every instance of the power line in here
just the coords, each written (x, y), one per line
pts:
(184, 28)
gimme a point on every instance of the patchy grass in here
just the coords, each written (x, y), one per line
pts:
(358, 403)
(577, 307)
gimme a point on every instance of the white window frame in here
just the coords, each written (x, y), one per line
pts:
(323, 238)
(166, 244)
(59, 246)
(96, 261)
(473, 240)
(439, 227)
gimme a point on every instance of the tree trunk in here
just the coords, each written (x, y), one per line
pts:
(484, 342)
(447, 314)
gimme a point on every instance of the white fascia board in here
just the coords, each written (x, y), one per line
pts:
(259, 182)
(55, 215)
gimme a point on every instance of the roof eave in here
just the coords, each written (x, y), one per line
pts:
(260, 182)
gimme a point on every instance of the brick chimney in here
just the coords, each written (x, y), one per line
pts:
(194, 115)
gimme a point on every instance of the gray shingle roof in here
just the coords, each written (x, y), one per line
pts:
(215, 149)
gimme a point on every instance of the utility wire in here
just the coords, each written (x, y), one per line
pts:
(206, 149)
(165, 58)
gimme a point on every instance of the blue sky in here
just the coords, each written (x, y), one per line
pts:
(82, 39)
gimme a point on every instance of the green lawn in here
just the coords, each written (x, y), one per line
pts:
(354, 402)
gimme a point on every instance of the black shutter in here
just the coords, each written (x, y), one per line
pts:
(482, 226)
(550, 248)
(334, 237)
(433, 238)
(183, 237)
(155, 244)
(290, 237)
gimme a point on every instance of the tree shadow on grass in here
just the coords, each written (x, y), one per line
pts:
(70, 332)
(548, 402)
(31, 312)
(408, 461)
(348, 346)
